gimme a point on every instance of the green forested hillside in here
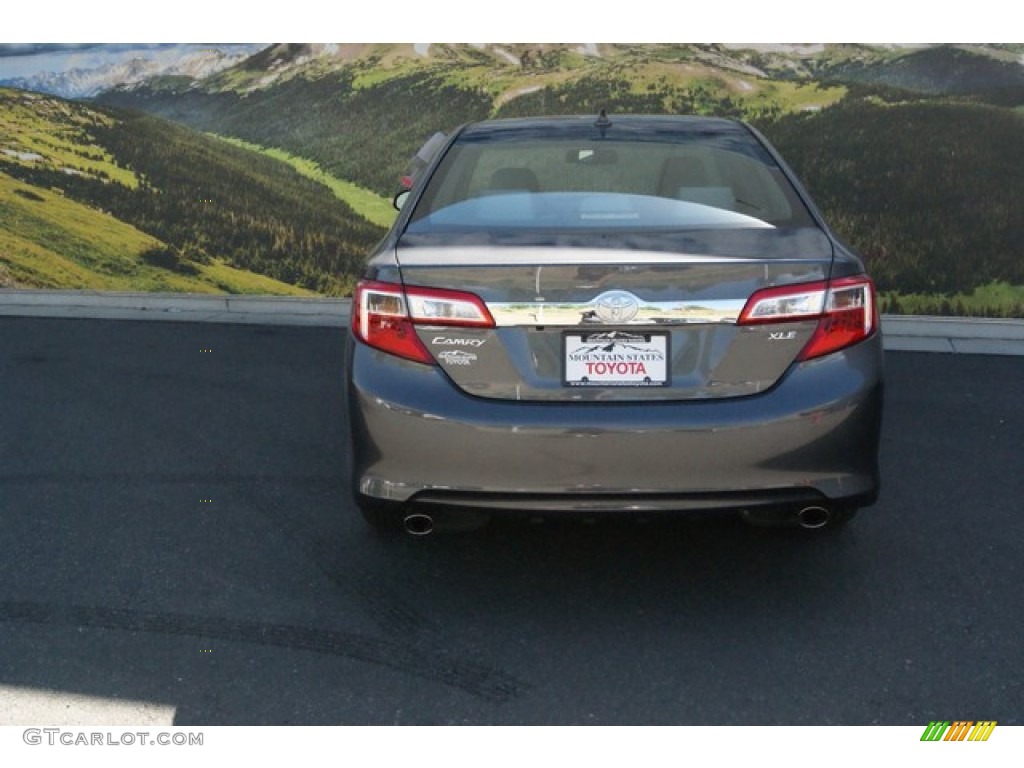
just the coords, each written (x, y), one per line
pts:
(201, 201)
(50, 241)
(944, 69)
(365, 135)
(927, 191)
(372, 207)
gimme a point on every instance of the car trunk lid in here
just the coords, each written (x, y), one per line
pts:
(623, 318)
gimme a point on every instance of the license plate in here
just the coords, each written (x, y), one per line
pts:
(616, 359)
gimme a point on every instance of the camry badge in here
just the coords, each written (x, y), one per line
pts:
(456, 342)
(616, 306)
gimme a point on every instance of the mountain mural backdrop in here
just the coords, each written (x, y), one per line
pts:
(270, 170)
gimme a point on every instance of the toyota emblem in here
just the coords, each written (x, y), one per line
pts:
(616, 306)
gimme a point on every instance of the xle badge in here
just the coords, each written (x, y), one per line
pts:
(781, 335)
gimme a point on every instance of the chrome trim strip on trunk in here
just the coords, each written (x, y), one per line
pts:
(486, 255)
(665, 313)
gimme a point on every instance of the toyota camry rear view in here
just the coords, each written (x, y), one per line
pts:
(624, 314)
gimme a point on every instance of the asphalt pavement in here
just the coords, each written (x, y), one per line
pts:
(179, 548)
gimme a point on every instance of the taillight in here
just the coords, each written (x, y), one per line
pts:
(384, 315)
(845, 309)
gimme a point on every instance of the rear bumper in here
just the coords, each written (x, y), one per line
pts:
(814, 436)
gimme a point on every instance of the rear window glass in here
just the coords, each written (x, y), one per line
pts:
(696, 182)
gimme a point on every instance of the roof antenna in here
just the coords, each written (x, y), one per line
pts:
(602, 123)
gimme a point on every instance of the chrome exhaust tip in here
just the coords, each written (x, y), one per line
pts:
(418, 524)
(814, 517)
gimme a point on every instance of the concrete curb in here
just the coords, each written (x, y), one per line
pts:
(191, 308)
(902, 333)
(956, 335)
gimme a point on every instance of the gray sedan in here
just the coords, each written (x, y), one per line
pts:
(612, 315)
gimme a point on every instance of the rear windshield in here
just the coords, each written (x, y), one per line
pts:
(693, 181)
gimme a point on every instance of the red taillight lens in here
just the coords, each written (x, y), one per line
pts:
(845, 308)
(850, 315)
(384, 315)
